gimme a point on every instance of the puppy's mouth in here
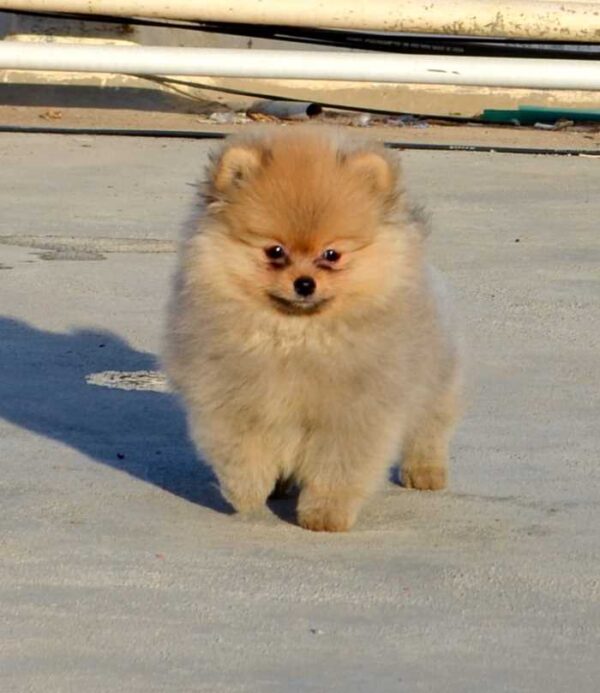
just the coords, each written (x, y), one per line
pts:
(300, 306)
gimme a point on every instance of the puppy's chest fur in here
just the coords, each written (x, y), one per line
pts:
(292, 369)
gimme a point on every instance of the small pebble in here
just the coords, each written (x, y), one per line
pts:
(222, 117)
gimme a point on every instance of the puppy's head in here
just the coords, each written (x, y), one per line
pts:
(306, 222)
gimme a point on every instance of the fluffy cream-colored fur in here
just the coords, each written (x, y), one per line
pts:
(327, 390)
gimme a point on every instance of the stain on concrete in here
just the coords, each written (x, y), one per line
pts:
(77, 247)
(70, 255)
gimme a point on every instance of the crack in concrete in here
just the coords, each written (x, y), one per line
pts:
(154, 381)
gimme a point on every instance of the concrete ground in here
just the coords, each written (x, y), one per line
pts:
(120, 569)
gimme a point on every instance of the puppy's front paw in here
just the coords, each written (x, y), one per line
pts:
(326, 514)
(325, 520)
(425, 477)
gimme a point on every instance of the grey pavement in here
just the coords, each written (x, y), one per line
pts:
(120, 568)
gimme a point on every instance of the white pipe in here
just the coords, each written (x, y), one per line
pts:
(274, 64)
(534, 19)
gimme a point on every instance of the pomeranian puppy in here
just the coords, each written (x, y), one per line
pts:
(307, 335)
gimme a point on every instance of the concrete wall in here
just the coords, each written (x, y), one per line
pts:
(134, 92)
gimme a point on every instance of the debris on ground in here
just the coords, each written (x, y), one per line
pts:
(52, 114)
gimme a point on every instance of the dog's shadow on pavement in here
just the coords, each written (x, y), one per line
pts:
(43, 388)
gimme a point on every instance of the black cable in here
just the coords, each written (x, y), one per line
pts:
(360, 40)
(201, 135)
(410, 43)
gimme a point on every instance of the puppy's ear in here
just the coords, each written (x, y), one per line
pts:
(236, 165)
(374, 169)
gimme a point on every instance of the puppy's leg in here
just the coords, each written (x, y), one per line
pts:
(425, 466)
(247, 481)
(246, 465)
(425, 451)
(339, 473)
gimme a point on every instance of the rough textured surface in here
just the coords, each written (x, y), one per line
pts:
(120, 570)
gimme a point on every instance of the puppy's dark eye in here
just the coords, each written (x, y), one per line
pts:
(331, 255)
(275, 252)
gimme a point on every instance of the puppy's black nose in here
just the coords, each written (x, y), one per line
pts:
(305, 286)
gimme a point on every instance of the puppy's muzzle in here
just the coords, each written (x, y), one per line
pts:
(299, 306)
